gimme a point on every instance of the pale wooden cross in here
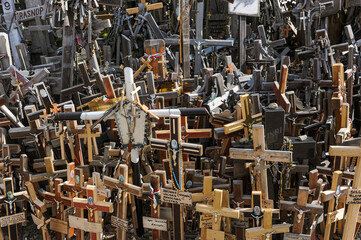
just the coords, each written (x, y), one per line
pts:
(148, 7)
(280, 89)
(353, 209)
(123, 187)
(339, 93)
(94, 208)
(218, 210)
(245, 120)
(90, 137)
(261, 156)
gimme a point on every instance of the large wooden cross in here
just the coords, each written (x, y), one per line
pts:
(175, 148)
(145, 5)
(352, 211)
(94, 208)
(261, 155)
(247, 119)
(123, 189)
(90, 136)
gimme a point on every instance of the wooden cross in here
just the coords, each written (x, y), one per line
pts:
(94, 208)
(260, 155)
(218, 210)
(9, 198)
(280, 90)
(353, 209)
(155, 50)
(75, 187)
(332, 196)
(175, 147)
(339, 93)
(300, 208)
(60, 201)
(230, 67)
(186, 133)
(90, 137)
(145, 5)
(246, 120)
(38, 207)
(287, 30)
(268, 229)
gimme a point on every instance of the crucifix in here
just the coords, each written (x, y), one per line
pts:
(280, 90)
(185, 133)
(9, 198)
(268, 229)
(353, 209)
(175, 149)
(94, 207)
(123, 187)
(60, 201)
(219, 211)
(75, 187)
(300, 208)
(260, 155)
(246, 119)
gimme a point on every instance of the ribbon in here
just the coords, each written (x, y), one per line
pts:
(155, 195)
(154, 56)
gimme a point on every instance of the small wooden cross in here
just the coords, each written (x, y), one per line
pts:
(148, 7)
(246, 119)
(280, 90)
(90, 137)
(94, 208)
(300, 208)
(260, 155)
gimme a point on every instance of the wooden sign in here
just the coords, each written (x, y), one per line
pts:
(354, 196)
(294, 236)
(83, 224)
(58, 225)
(206, 221)
(240, 223)
(12, 219)
(189, 165)
(175, 197)
(337, 215)
(215, 235)
(155, 223)
(119, 223)
(30, 13)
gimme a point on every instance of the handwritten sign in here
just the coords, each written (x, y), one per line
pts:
(354, 196)
(189, 165)
(12, 219)
(30, 13)
(155, 223)
(119, 223)
(83, 224)
(294, 236)
(240, 223)
(206, 221)
(175, 197)
(336, 215)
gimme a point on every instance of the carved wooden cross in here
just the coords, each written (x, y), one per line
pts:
(280, 89)
(300, 208)
(260, 155)
(247, 119)
(94, 208)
